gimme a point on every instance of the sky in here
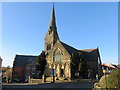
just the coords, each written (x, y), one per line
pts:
(82, 25)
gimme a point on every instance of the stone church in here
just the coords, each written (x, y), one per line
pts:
(62, 60)
(59, 55)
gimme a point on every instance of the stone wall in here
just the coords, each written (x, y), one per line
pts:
(31, 80)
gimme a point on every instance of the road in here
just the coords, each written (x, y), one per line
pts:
(81, 84)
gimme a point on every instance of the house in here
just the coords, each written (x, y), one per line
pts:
(20, 66)
(109, 68)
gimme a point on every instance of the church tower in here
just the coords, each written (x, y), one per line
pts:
(52, 35)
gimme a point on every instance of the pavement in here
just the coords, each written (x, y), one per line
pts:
(88, 84)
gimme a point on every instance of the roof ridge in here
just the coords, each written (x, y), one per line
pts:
(90, 49)
(69, 46)
(26, 55)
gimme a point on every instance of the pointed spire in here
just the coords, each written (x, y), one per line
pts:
(52, 20)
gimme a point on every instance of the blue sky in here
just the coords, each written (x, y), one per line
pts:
(81, 25)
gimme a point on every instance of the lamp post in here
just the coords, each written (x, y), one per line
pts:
(53, 72)
(104, 71)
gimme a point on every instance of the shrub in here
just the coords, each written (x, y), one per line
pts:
(41, 62)
(112, 80)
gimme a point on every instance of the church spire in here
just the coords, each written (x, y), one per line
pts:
(52, 20)
(52, 35)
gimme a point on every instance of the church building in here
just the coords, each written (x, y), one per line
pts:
(62, 60)
(59, 56)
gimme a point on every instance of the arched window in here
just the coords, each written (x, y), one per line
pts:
(57, 56)
(48, 46)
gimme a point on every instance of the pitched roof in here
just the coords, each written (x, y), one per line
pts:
(104, 64)
(22, 60)
(69, 48)
(111, 66)
(88, 50)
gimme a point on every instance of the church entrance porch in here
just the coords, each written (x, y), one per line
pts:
(61, 71)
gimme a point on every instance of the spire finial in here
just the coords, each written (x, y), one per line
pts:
(53, 3)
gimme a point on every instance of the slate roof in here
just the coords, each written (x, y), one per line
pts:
(88, 54)
(22, 60)
(69, 48)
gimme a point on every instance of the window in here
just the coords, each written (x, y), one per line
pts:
(27, 72)
(50, 28)
(48, 46)
(33, 71)
(61, 72)
(33, 67)
(28, 67)
(49, 32)
(57, 56)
